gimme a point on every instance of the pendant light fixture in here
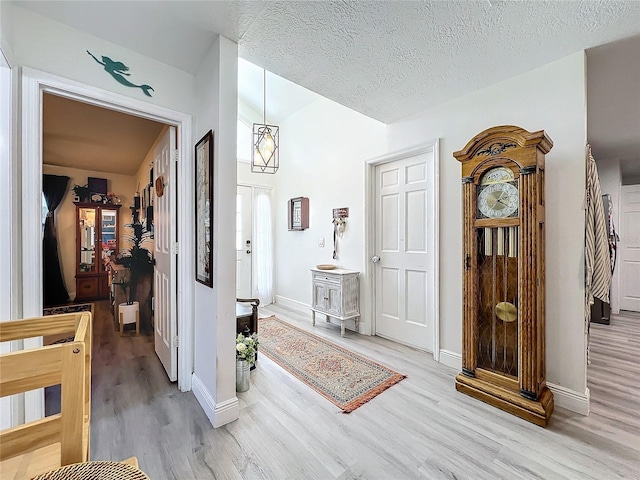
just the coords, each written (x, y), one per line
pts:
(265, 153)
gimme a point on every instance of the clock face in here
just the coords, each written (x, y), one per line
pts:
(498, 200)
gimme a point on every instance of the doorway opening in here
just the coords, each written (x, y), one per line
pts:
(106, 214)
(35, 84)
(613, 93)
(402, 246)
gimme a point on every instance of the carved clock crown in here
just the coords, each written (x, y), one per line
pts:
(495, 141)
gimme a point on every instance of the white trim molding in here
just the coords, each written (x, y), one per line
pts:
(293, 305)
(367, 302)
(34, 84)
(562, 397)
(570, 399)
(451, 359)
(219, 414)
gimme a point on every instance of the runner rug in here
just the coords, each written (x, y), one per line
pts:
(71, 308)
(345, 378)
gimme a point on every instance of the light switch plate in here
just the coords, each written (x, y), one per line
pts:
(321, 242)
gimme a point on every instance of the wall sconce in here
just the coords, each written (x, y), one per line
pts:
(339, 221)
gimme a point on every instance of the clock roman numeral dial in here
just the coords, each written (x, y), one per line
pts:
(498, 200)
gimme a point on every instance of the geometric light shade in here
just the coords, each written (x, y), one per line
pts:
(265, 151)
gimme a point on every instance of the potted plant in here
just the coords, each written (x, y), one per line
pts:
(81, 193)
(139, 261)
(246, 348)
(128, 312)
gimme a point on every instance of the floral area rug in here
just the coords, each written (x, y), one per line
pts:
(71, 308)
(345, 378)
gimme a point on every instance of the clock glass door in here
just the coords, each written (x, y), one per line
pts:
(497, 241)
(498, 299)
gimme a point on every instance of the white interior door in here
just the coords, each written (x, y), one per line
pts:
(164, 286)
(244, 246)
(401, 274)
(630, 248)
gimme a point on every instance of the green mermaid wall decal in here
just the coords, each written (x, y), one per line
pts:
(117, 70)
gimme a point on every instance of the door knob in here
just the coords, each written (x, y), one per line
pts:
(375, 259)
(248, 251)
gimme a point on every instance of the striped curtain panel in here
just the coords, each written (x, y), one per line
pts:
(597, 257)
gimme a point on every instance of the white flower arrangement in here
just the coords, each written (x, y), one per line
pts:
(246, 347)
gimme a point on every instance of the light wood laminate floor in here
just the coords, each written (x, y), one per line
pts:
(419, 428)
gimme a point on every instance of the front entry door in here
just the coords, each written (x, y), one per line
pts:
(165, 312)
(401, 274)
(630, 248)
(244, 247)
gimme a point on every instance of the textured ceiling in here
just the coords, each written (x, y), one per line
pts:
(385, 59)
(79, 135)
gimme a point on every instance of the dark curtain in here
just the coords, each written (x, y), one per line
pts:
(55, 293)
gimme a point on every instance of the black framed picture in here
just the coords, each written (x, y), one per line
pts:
(204, 209)
(97, 185)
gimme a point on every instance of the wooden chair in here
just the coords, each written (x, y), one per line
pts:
(46, 444)
(247, 316)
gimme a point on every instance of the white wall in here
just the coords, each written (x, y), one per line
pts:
(610, 182)
(550, 98)
(216, 88)
(323, 148)
(247, 177)
(6, 29)
(631, 179)
(53, 47)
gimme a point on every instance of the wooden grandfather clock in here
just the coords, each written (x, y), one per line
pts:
(503, 349)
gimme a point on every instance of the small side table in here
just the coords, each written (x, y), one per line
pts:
(335, 294)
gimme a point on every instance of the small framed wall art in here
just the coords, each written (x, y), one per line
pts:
(204, 209)
(298, 213)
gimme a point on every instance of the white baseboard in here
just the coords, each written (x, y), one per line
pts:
(219, 414)
(451, 359)
(562, 396)
(293, 304)
(570, 399)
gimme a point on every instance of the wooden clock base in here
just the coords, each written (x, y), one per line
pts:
(534, 411)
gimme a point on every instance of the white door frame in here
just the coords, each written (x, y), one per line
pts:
(11, 408)
(34, 84)
(251, 239)
(368, 288)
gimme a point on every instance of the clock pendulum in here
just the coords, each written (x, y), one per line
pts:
(503, 352)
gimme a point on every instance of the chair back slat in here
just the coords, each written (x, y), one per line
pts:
(67, 364)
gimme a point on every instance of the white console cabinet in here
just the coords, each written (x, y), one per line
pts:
(335, 294)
